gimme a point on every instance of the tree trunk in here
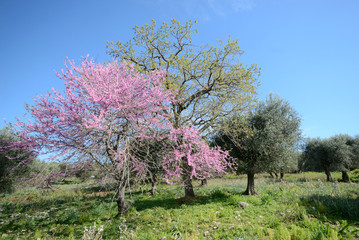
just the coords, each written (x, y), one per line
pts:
(276, 175)
(122, 207)
(281, 174)
(204, 182)
(250, 185)
(327, 172)
(345, 176)
(271, 174)
(188, 187)
(154, 185)
(187, 181)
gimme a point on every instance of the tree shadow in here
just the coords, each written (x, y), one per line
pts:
(99, 188)
(332, 207)
(174, 203)
(169, 203)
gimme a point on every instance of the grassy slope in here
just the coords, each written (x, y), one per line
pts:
(301, 207)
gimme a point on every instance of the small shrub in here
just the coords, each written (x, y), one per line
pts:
(298, 233)
(354, 175)
(93, 233)
(219, 194)
(234, 199)
(281, 233)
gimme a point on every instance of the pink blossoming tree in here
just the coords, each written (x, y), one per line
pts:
(103, 109)
(190, 157)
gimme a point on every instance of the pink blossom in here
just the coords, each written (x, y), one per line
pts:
(102, 108)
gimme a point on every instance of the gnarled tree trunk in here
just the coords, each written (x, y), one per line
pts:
(154, 184)
(250, 185)
(281, 174)
(204, 182)
(188, 186)
(345, 176)
(122, 207)
(187, 181)
(327, 172)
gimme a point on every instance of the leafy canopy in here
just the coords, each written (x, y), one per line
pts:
(210, 81)
(270, 141)
(335, 153)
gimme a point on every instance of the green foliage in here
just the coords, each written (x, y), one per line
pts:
(266, 140)
(210, 80)
(299, 233)
(281, 233)
(292, 209)
(337, 153)
(340, 149)
(354, 175)
(315, 155)
(355, 150)
(271, 142)
(11, 168)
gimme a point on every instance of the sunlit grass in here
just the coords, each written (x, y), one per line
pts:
(303, 206)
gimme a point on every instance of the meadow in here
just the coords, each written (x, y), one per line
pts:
(302, 206)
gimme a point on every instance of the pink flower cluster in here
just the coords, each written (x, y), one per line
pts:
(202, 160)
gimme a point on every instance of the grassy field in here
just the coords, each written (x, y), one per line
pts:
(303, 206)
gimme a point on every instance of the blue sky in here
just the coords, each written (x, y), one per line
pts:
(308, 50)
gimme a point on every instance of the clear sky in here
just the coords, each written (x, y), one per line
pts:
(308, 50)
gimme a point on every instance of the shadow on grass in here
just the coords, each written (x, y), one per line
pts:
(107, 187)
(112, 188)
(332, 207)
(42, 205)
(173, 203)
(154, 203)
(58, 202)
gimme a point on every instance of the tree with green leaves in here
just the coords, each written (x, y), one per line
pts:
(290, 165)
(314, 157)
(341, 150)
(263, 141)
(335, 153)
(355, 147)
(210, 81)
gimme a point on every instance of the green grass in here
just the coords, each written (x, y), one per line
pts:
(303, 206)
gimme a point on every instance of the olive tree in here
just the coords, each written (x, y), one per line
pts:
(355, 147)
(264, 140)
(335, 153)
(341, 150)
